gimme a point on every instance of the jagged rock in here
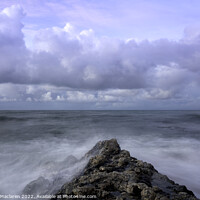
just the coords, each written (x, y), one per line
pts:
(112, 173)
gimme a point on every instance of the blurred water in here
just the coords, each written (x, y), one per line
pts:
(31, 142)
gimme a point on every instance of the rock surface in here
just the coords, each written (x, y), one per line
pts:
(112, 174)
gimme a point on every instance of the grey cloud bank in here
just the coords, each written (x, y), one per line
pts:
(90, 68)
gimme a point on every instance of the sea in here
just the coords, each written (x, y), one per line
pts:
(37, 144)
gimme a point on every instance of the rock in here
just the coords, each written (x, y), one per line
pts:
(37, 186)
(112, 173)
(44, 186)
(105, 147)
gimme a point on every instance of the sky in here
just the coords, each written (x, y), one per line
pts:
(108, 54)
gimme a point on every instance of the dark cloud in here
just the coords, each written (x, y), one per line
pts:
(13, 53)
(63, 57)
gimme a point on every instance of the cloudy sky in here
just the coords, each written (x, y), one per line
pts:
(108, 54)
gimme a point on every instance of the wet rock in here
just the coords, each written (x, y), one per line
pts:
(56, 174)
(37, 186)
(112, 173)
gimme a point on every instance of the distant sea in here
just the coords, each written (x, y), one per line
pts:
(33, 143)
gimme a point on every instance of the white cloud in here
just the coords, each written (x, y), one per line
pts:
(104, 99)
(78, 96)
(5, 99)
(79, 66)
(60, 98)
(46, 97)
(157, 94)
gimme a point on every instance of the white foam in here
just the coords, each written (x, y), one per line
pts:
(24, 162)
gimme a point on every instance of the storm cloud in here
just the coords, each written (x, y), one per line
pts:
(66, 57)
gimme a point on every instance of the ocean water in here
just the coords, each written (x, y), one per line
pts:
(39, 143)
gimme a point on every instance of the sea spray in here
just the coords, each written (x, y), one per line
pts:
(32, 142)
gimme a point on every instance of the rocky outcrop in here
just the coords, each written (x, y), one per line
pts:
(112, 173)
